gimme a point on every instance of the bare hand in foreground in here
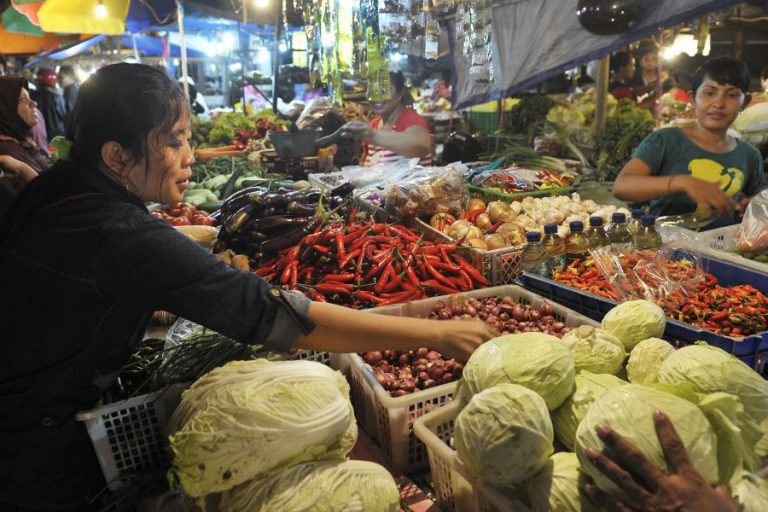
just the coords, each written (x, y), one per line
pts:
(709, 195)
(684, 489)
(461, 337)
(15, 170)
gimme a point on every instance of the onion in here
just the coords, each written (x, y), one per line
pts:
(546, 308)
(504, 317)
(428, 383)
(423, 376)
(372, 357)
(483, 221)
(469, 310)
(403, 359)
(433, 355)
(476, 204)
(444, 314)
(535, 315)
(558, 326)
(518, 313)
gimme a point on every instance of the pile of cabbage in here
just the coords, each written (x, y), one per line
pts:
(529, 404)
(260, 436)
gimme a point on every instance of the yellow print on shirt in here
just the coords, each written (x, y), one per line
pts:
(731, 179)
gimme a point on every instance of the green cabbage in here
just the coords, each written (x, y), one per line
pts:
(534, 360)
(589, 387)
(711, 369)
(504, 435)
(248, 418)
(595, 350)
(645, 360)
(349, 486)
(557, 486)
(629, 411)
(751, 493)
(635, 321)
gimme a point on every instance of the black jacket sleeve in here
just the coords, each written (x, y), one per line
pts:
(150, 262)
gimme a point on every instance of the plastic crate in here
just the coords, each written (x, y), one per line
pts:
(128, 436)
(499, 266)
(749, 348)
(389, 420)
(721, 243)
(484, 122)
(453, 489)
(328, 180)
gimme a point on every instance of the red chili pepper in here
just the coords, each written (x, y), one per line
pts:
(471, 215)
(353, 214)
(394, 282)
(440, 287)
(320, 248)
(494, 228)
(382, 282)
(398, 298)
(263, 271)
(294, 275)
(350, 257)
(341, 278)
(411, 275)
(286, 275)
(331, 288)
(473, 272)
(312, 294)
(436, 274)
(365, 295)
(378, 268)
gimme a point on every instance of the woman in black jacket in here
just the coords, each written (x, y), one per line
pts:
(83, 265)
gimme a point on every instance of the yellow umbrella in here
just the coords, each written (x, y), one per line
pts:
(84, 16)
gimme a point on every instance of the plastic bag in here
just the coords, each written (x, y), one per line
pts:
(314, 110)
(429, 190)
(651, 274)
(752, 236)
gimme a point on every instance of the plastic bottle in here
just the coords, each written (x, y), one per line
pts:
(596, 233)
(555, 247)
(647, 237)
(619, 234)
(576, 244)
(634, 222)
(535, 258)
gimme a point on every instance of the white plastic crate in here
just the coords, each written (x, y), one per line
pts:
(129, 436)
(454, 490)
(498, 266)
(327, 180)
(389, 420)
(721, 243)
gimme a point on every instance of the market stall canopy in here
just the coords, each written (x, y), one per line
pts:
(77, 16)
(14, 21)
(539, 39)
(29, 9)
(147, 46)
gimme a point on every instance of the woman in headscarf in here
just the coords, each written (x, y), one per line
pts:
(21, 159)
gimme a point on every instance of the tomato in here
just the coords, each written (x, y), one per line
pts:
(188, 212)
(175, 212)
(180, 221)
(179, 205)
(201, 220)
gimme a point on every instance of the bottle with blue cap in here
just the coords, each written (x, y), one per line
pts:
(619, 234)
(555, 247)
(634, 222)
(535, 257)
(576, 244)
(647, 237)
(596, 233)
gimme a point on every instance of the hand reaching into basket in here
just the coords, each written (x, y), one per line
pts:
(683, 489)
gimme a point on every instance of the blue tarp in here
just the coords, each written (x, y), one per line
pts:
(146, 45)
(534, 40)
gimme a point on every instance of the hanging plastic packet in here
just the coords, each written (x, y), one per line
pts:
(752, 236)
(475, 37)
(431, 32)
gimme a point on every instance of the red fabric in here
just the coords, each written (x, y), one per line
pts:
(681, 95)
(407, 118)
(621, 93)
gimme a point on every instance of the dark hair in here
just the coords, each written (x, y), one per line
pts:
(124, 103)
(620, 59)
(397, 78)
(724, 71)
(67, 71)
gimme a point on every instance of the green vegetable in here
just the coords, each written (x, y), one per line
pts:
(629, 411)
(248, 418)
(537, 361)
(528, 116)
(634, 321)
(558, 487)
(504, 435)
(595, 350)
(751, 493)
(710, 369)
(589, 387)
(318, 486)
(645, 360)
(623, 132)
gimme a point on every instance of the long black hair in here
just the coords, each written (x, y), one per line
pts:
(399, 89)
(124, 103)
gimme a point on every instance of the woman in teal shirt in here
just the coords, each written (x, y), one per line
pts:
(699, 167)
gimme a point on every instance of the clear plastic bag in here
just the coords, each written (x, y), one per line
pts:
(314, 111)
(752, 236)
(651, 274)
(429, 190)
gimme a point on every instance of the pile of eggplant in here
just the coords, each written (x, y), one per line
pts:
(259, 222)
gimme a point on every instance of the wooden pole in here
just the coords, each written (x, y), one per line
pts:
(601, 100)
(276, 54)
(184, 75)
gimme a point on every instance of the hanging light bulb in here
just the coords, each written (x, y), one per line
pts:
(261, 4)
(100, 11)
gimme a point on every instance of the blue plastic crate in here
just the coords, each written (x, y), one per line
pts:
(750, 349)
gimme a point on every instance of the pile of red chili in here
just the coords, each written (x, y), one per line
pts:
(730, 310)
(370, 264)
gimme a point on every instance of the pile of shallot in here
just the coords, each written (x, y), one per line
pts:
(503, 314)
(402, 373)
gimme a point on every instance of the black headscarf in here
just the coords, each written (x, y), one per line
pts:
(10, 123)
